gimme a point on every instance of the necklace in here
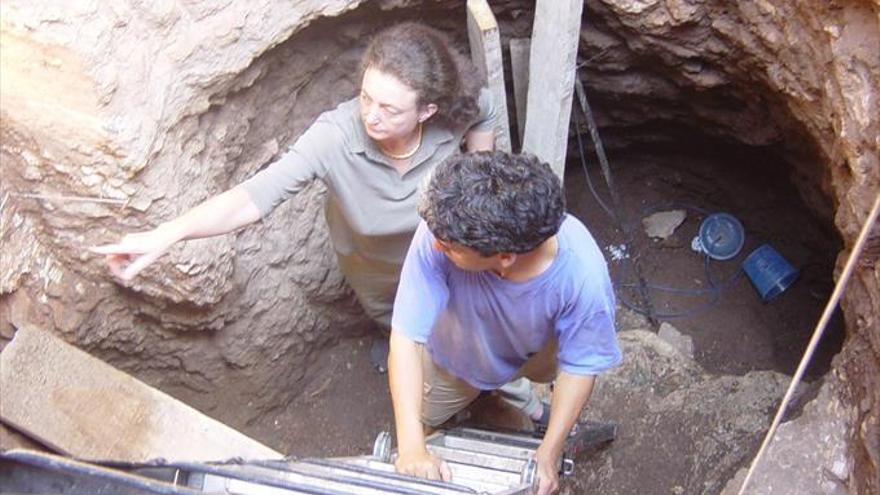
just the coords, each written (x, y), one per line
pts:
(407, 154)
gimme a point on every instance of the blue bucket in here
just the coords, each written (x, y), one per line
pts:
(769, 272)
(721, 236)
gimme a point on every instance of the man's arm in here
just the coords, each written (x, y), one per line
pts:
(570, 394)
(406, 381)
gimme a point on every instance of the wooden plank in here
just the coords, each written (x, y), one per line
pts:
(84, 407)
(519, 68)
(552, 60)
(485, 42)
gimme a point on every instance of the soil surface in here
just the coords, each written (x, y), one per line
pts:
(346, 403)
(344, 406)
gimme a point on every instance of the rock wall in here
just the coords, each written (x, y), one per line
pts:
(148, 108)
(116, 118)
(793, 464)
(798, 79)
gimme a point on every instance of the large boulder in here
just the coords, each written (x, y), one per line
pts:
(681, 429)
(808, 454)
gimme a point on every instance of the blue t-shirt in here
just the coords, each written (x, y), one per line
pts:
(483, 328)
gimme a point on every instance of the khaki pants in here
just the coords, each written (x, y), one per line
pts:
(374, 285)
(445, 394)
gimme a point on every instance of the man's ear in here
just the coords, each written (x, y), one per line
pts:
(506, 259)
(426, 112)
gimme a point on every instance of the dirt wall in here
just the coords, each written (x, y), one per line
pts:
(797, 79)
(130, 122)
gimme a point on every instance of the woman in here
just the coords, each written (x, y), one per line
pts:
(418, 100)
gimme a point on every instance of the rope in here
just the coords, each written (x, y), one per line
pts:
(581, 154)
(715, 291)
(814, 340)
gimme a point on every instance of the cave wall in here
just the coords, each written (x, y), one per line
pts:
(156, 106)
(797, 79)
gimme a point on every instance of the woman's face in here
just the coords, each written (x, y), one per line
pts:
(389, 108)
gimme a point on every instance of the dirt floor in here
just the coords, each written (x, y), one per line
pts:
(346, 403)
(344, 406)
(737, 333)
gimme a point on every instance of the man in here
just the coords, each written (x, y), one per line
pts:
(499, 283)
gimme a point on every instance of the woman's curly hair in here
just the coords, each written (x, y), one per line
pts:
(422, 58)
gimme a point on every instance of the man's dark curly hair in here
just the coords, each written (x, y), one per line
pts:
(493, 202)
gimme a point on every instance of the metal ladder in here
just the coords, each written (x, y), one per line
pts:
(481, 461)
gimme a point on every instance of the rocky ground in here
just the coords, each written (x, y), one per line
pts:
(682, 430)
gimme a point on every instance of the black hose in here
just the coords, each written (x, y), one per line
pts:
(615, 200)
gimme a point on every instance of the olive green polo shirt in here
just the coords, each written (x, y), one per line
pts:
(371, 209)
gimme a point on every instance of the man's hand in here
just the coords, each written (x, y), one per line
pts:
(569, 396)
(405, 382)
(548, 471)
(423, 465)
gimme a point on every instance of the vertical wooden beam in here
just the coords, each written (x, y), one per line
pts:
(519, 65)
(552, 59)
(485, 44)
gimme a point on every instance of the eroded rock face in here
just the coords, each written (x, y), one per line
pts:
(141, 115)
(692, 429)
(800, 80)
(793, 464)
(153, 107)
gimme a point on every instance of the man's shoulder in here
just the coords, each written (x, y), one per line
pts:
(572, 224)
(585, 263)
(576, 237)
(423, 244)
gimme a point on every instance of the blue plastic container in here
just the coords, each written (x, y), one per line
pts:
(721, 236)
(769, 272)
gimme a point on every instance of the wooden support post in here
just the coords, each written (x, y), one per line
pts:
(519, 65)
(486, 53)
(552, 59)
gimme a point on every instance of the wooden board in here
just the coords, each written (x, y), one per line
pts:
(85, 408)
(485, 42)
(552, 59)
(519, 69)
